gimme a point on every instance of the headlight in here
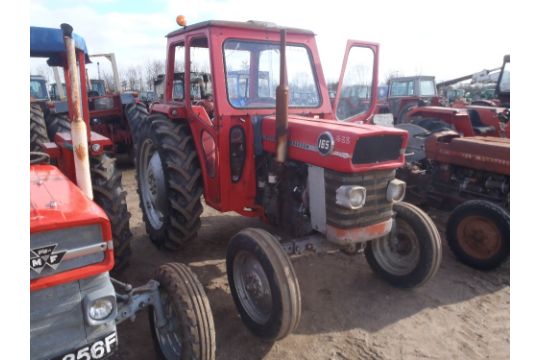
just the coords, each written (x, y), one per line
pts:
(100, 309)
(395, 191)
(351, 197)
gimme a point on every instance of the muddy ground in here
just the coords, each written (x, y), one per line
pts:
(347, 312)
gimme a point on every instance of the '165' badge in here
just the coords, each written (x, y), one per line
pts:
(325, 143)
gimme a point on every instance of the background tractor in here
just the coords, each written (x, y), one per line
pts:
(471, 177)
(323, 182)
(75, 304)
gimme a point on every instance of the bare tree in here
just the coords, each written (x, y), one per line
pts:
(132, 77)
(152, 69)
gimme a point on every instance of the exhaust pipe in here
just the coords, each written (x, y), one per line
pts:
(282, 105)
(79, 133)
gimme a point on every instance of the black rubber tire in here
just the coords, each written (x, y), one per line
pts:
(430, 249)
(111, 197)
(57, 123)
(286, 299)
(38, 128)
(174, 143)
(136, 114)
(192, 308)
(402, 116)
(491, 212)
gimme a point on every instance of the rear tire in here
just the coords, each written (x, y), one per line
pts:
(411, 254)
(38, 128)
(136, 113)
(478, 233)
(189, 332)
(169, 182)
(57, 123)
(110, 196)
(263, 284)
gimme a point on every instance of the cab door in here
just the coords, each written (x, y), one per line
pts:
(356, 94)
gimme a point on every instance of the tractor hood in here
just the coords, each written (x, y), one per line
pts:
(339, 146)
(55, 202)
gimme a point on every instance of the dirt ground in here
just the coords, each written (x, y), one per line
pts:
(347, 312)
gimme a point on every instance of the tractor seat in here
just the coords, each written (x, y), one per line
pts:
(478, 126)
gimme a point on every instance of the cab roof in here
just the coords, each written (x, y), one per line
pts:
(251, 24)
(49, 43)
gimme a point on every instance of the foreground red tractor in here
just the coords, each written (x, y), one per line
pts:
(471, 177)
(281, 156)
(75, 304)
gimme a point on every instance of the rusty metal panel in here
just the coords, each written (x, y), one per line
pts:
(478, 152)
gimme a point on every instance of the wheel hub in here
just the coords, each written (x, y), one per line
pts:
(479, 237)
(153, 185)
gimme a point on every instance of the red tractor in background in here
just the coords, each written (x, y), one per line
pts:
(109, 113)
(404, 93)
(75, 304)
(482, 119)
(324, 182)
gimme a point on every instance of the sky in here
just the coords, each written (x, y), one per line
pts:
(447, 39)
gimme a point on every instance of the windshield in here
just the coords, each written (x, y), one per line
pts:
(38, 89)
(252, 70)
(427, 88)
(505, 80)
(98, 86)
(402, 88)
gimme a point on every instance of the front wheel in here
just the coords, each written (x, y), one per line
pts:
(263, 284)
(478, 232)
(411, 254)
(189, 329)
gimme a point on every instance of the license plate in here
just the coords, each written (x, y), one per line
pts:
(97, 350)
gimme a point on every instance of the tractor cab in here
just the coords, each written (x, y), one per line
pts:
(406, 92)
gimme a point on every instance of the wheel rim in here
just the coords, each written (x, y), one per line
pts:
(252, 287)
(169, 335)
(152, 180)
(399, 252)
(479, 237)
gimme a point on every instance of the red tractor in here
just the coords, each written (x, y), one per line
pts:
(405, 93)
(75, 304)
(471, 177)
(322, 181)
(109, 113)
(481, 119)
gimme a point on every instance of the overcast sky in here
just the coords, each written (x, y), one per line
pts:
(447, 39)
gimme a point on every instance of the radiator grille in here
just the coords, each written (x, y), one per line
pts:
(376, 208)
(68, 239)
(377, 149)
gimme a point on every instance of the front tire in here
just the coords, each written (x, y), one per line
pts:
(478, 233)
(189, 332)
(411, 254)
(263, 284)
(169, 182)
(38, 128)
(110, 196)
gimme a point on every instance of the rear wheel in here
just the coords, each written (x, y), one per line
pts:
(189, 329)
(136, 113)
(411, 254)
(478, 232)
(57, 123)
(38, 128)
(263, 284)
(110, 196)
(169, 182)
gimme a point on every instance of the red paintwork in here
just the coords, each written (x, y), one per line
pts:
(461, 118)
(47, 183)
(62, 151)
(306, 131)
(480, 152)
(219, 190)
